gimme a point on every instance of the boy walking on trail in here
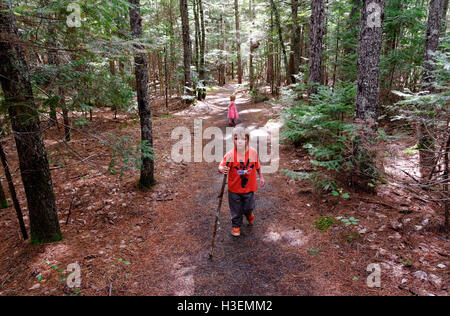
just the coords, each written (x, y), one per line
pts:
(242, 185)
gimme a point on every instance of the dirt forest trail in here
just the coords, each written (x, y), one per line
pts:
(265, 260)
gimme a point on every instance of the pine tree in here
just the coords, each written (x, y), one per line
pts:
(316, 42)
(22, 110)
(367, 97)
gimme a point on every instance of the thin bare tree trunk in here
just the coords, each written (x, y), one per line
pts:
(446, 181)
(147, 170)
(3, 200)
(280, 37)
(238, 41)
(295, 39)
(187, 49)
(197, 36)
(202, 78)
(12, 191)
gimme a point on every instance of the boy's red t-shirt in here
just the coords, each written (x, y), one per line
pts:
(242, 175)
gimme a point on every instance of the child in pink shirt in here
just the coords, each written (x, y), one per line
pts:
(232, 111)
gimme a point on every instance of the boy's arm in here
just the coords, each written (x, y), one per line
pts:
(223, 167)
(262, 181)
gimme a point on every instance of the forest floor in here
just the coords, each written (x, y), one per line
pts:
(130, 242)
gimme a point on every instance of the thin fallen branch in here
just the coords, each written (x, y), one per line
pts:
(12, 191)
(70, 207)
(75, 163)
(417, 181)
(381, 203)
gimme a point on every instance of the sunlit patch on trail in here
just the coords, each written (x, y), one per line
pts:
(251, 111)
(274, 124)
(294, 238)
(184, 284)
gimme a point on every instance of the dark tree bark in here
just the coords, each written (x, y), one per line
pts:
(336, 54)
(187, 48)
(222, 65)
(65, 113)
(112, 71)
(238, 41)
(295, 40)
(324, 73)
(3, 200)
(425, 140)
(432, 39)
(316, 43)
(197, 36)
(446, 185)
(140, 64)
(52, 60)
(367, 97)
(251, 69)
(166, 79)
(22, 110)
(302, 44)
(202, 92)
(270, 57)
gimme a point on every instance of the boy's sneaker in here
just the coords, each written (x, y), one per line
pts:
(251, 219)
(236, 232)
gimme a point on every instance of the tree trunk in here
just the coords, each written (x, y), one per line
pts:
(336, 54)
(238, 41)
(166, 79)
(147, 170)
(112, 71)
(280, 37)
(367, 97)
(53, 60)
(202, 92)
(65, 113)
(316, 43)
(446, 181)
(22, 110)
(251, 69)
(425, 140)
(12, 191)
(197, 35)
(187, 49)
(324, 72)
(295, 40)
(270, 59)
(222, 65)
(172, 54)
(302, 44)
(3, 200)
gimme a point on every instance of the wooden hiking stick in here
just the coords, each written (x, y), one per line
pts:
(222, 191)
